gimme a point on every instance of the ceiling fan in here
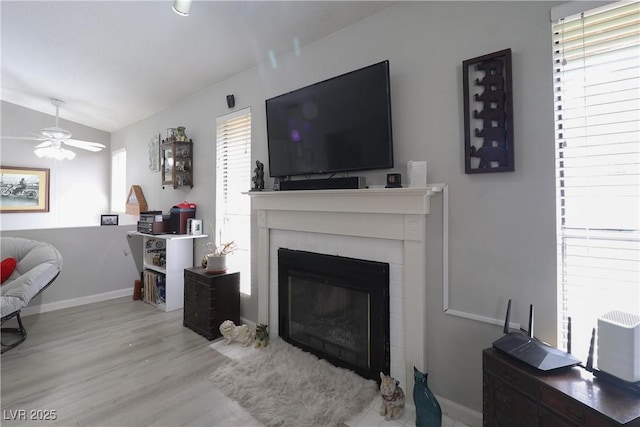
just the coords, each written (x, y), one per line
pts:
(55, 137)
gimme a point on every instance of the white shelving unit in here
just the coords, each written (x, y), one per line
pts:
(178, 252)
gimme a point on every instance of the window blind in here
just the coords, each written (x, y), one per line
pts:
(596, 59)
(233, 177)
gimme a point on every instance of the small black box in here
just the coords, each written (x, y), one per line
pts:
(178, 220)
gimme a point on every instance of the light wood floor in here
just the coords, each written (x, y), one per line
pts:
(114, 363)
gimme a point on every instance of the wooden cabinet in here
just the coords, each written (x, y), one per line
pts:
(209, 300)
(515, 394)
(177, 163)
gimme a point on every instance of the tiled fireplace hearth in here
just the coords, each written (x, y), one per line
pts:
(383, 225)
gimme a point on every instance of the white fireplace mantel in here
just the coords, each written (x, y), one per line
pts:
(384, 213)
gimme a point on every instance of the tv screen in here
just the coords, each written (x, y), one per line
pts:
(337, 125)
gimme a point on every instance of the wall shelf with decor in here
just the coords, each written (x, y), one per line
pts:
(164, 258)
(177, 163)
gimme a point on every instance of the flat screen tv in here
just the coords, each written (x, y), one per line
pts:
(337, 125)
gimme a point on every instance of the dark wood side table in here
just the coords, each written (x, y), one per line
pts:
(209, 300)
(515, 394)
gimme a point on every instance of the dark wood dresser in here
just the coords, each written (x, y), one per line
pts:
(209, 300)
(515, 394)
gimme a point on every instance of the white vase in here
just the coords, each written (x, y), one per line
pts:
(216, 264)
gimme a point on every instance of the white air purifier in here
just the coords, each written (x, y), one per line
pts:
(619, 345)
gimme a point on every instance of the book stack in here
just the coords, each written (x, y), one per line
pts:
(153, 287)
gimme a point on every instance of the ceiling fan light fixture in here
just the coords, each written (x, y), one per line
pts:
(53, 152)
(182, 7)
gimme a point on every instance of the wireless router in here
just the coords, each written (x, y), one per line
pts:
(523, 346)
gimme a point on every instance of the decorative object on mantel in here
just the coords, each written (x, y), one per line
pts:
(136, 202)
(417, 173)
(231, 333)
(392, 398)
(489, 112)
(258, 176)
(394, 180)
(428, 411)
(262, 335)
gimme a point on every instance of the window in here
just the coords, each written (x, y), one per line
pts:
(233, 177)
(597, 122)
(118, 180)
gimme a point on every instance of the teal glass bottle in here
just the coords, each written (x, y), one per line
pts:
(428, 411)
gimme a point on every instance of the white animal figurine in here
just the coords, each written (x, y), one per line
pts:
(231, 332)
(392, 398)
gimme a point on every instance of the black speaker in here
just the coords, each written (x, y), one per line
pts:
(349, 182)
(231, 101)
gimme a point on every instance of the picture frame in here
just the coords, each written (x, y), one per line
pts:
(488, 113)
(24, 189)
(109, 219)
(154, 153)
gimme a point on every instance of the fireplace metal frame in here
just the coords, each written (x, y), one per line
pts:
(367, 276)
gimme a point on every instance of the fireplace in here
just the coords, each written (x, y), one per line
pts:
(336, 308)
(382, 224)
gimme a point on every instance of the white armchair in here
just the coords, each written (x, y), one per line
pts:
(38, 265)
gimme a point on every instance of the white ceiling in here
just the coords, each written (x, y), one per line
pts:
(117, 62)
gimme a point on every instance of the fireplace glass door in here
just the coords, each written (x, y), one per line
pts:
(336, 308)
(333, 319)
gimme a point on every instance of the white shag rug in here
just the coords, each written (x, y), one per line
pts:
(281, 385)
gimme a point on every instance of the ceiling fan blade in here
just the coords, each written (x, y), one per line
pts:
(29, 138)
(44, 144)
(85, 145)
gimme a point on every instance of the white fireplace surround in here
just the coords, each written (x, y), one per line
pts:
(379, 224)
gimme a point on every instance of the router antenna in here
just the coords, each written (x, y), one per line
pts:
(531, 321)
(507, 319)
(569, 335)
(589, 366)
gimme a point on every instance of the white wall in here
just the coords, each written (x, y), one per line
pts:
(79, 188)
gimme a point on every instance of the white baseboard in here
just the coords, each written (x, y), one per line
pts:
(460, 413)
(58, 305)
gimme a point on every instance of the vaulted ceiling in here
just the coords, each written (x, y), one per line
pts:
(117, 62)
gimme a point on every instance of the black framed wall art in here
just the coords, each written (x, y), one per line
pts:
(488, 113)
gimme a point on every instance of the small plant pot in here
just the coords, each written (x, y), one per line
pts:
(216, 264)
